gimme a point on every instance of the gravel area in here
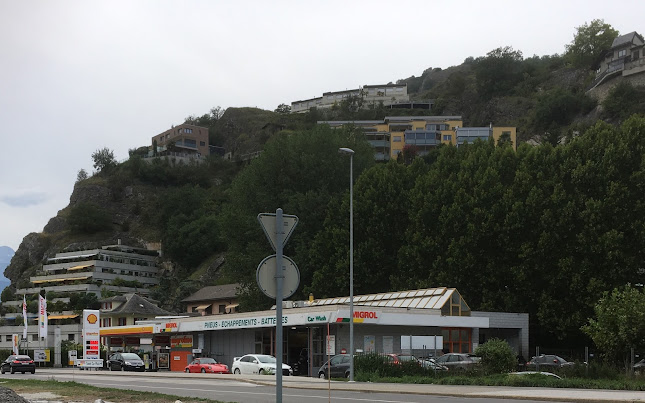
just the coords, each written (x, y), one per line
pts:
(9, 396)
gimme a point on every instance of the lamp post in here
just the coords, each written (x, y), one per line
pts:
(350, 152)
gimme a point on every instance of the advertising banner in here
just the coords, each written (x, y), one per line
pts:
(42, 316)
(15, 341)
(24, 317)
(181, 341)
(41, 355)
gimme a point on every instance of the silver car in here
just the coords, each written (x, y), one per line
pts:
(458, 361)
(260, 364)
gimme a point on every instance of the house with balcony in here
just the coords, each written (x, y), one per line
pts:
(183, 141)
(390, 135)
(625, 58)
(116, 268)
(468, 135)
(388, 94)
(213, 300)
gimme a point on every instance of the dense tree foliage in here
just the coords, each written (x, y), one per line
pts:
(623, 101)
(88, 218)
(619, 323)
(104, 160)
(590, 43)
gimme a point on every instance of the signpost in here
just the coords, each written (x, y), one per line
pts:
(91, 340)
(272, 274)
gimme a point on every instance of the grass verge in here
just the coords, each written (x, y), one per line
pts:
(534, 380)
(81, 392)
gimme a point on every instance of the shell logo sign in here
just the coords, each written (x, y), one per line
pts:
(92, 319)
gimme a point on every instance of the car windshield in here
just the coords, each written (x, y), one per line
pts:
(207, 361)
(22, 358)
(130, 356)
(266, 359)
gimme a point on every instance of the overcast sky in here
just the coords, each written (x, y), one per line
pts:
(77, 76)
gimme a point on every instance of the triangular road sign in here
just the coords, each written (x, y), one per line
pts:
(267, 221)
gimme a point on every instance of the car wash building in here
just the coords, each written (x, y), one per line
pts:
(421, 322)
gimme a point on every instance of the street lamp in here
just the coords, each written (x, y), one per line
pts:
(350, 152)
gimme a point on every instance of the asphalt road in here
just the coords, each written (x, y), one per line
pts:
(232, 389)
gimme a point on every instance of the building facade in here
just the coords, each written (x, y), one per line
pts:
(184, 140)
(626, 57)
(388, 94)
(390, 135)
(213, 300)
(421, 322)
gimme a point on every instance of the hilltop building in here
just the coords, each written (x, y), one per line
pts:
(183, 141)
(625, 58)
(388, 94)
(390, 135)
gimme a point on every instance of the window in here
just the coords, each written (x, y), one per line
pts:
(397, 139)
(106, 322)
(7, 337)
(122, 321)
(457, 340)
(71, 336)
(622, 53)
(447, 137)
(222, 309)
(636, 54)
(202, 143)
(34, 337)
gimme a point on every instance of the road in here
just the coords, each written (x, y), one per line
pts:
(231, 388)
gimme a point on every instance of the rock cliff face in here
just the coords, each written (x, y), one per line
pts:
(123, 205)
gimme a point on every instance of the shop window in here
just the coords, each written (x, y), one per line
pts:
(457, 340)
(34, 337)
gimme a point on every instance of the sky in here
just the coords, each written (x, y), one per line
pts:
(77, 76)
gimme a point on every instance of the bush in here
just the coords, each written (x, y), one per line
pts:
(88, 218)
(496, 357)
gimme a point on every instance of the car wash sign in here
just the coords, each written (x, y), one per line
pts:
(91, 339)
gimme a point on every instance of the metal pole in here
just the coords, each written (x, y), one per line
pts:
(351, 268)
(279, 277)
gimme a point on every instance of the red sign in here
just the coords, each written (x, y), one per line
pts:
(343, 351)
(365, 315)
(171, 325)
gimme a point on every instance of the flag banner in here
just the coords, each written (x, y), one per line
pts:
(24, 317)
(42, 316)
(16, 342)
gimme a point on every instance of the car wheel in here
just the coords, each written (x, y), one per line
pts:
(187, 370)
(22, 372)
(347, 375)
(2, 371)
(321, 375)
(262, 372)
(13, 370)
(237, 371)
(203, 371)
(33, 371)
(122, 368)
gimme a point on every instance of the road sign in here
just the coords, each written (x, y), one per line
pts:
(267, 221)
(266, 276)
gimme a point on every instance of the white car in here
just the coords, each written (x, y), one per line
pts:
(258, 364)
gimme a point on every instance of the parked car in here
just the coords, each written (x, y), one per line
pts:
(337, 366)
(639, 367)
(207, 365)
(125, 362)
(258, 364)
(430, 363)
(548, 361)
(397, 359)
(18, 363)
(458, 361)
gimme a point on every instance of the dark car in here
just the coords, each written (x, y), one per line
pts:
(125, 362)
(337, 367)
(548, 361)
(458, 361)
(18, 363)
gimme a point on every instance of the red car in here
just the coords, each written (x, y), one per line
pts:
(397, 359)
(205, 365)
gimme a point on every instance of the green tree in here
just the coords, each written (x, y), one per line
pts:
(103, 160)
(623, 101)
(619, 323)
(88, 218)
(283, 109)
(590, 43)
(81, 176)
(498, 72)
(496, 356)
(7, 294)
